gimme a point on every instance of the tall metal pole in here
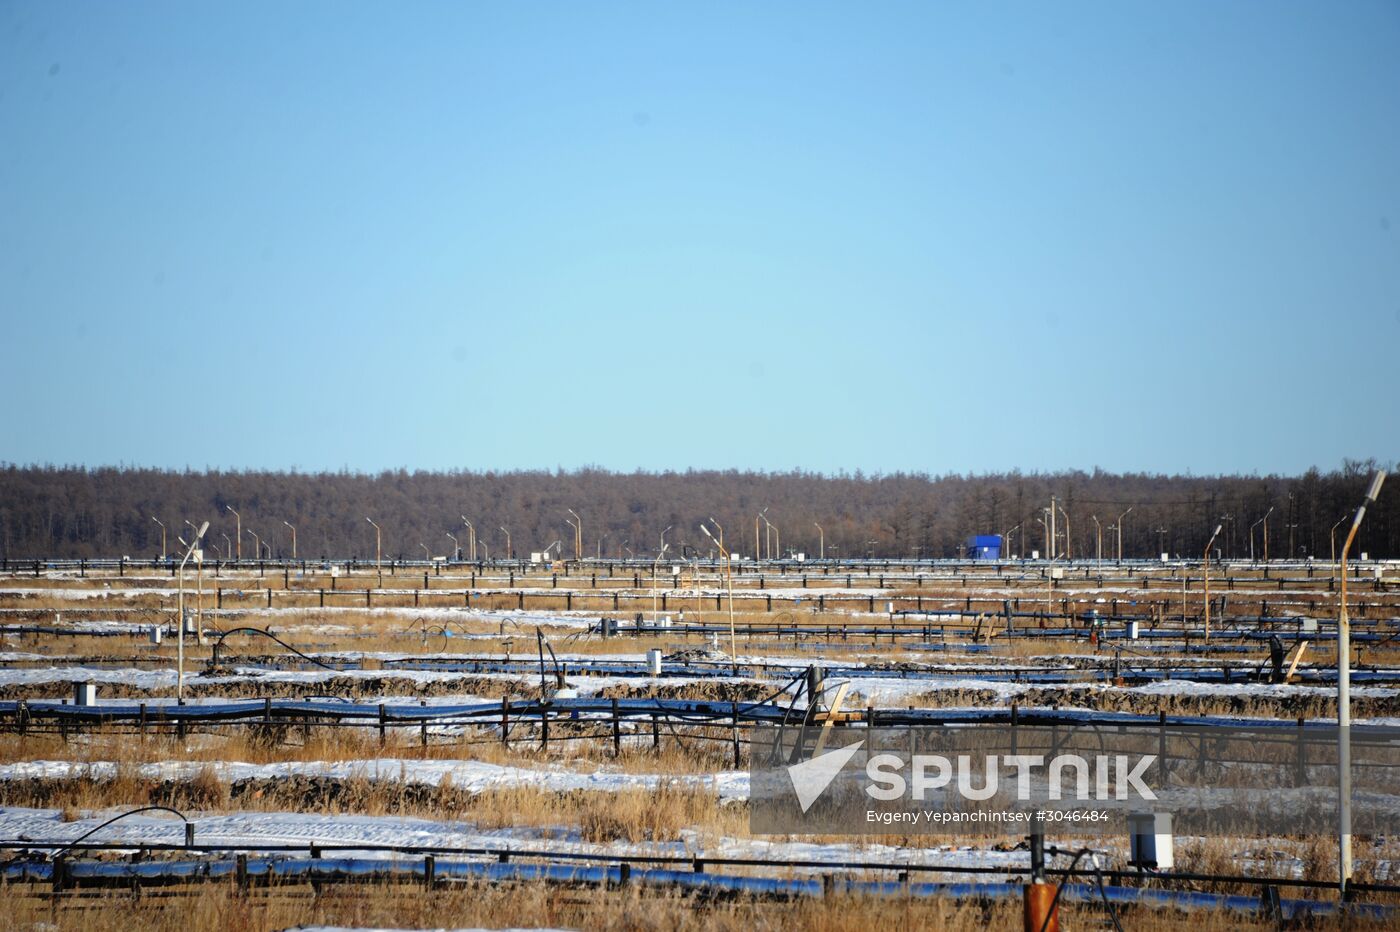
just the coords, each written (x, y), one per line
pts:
(1206, 567)
(199, 589)
(162, 535)
(294, 540)
(1344, 700)
(471, 538)
(823, 539)
(239, 534)
(1333, 534)
(1119, 522)
(1266, 532)
(1006, 541)
(1069, 550)
(578, 535)
(720, 528)
(729, 586)
(1098, 539)
(378, 552)
(655, 563)
(180, 609)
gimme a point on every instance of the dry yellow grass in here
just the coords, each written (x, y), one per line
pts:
(481, 905)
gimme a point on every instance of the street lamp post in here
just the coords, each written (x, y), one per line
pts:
(578, 534)
(471, 537)
(1069, 547)
(510, 551)
(294, 540)
(378, 551)
(757, 550)
(772, 540)
(180, 608)
(1119, 523)
(656, 563)
(1344, 698)
(823, 539)
(257, 545)
(719, 528)
(162, 536)
(1006, 541)
(1206, 570)
(575, 528)
(1333, 534)
(456, 547)
(1098, 539)
(1266, 532)
(239, 534)
(228, 547)
(729, 587)
(1264, 521)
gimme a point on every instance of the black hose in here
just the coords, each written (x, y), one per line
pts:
(118, 818)
(269, 635)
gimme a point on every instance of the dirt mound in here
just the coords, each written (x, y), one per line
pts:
(707, 690)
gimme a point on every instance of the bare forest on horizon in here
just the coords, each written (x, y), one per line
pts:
(74, 511)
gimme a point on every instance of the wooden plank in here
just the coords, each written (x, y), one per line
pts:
(828, 718)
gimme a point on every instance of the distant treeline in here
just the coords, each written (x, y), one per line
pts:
(108, 511)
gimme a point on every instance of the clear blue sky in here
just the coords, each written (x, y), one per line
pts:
(926, 236)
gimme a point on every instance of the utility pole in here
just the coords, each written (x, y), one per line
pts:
(1069, 549)
(1206, 567)
(1266, 532)
(162, 535)
(180, 609)
(729, 586)
(471, 536)
(578, 534)
(239, 535)
(1344, 699)
(378, 552)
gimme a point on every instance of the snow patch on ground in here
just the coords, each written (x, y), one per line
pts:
(469, 776)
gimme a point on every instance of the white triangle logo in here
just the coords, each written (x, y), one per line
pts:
(811, 777)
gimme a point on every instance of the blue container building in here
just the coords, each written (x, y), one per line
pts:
(984, 547)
